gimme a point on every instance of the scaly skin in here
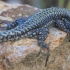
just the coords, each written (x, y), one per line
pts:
(21, 20)
(40, 19)
(37, 26)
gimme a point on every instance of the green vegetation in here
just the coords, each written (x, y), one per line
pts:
(55, 3)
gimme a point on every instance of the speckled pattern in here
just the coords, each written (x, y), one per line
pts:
(15, 23)
(37, 26)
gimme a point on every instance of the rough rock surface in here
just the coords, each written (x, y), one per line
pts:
(21, 54)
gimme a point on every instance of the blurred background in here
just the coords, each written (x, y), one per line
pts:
(43, 3)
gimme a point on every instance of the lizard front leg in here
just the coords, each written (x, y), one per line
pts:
(41, 35)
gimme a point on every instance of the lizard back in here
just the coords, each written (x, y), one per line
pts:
(40, 19)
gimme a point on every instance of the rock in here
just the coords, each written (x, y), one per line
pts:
(21, 54)
(1, 67)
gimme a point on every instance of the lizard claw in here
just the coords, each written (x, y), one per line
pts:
(48, 52)
(39, 51)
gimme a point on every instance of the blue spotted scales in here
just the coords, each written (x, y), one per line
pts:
(37, 26)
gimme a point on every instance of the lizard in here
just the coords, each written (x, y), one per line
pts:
(37, 26)
(21, 20)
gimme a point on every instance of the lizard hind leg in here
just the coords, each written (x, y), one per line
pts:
(63, 24)
(67, 25)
